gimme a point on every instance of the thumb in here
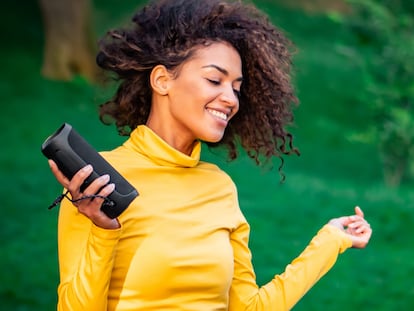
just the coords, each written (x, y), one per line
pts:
(359, 212)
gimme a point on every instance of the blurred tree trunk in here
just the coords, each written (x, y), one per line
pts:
(69, 48)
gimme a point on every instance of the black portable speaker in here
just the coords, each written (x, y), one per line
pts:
(71, 152)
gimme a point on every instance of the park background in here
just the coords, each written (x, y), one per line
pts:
(338, 167)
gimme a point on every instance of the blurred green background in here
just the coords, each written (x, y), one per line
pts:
(334, 173)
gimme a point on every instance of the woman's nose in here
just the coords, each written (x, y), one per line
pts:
(230, 97)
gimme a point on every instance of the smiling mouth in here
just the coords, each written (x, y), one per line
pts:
(218, 114)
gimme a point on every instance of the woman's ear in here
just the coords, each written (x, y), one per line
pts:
(159, 78)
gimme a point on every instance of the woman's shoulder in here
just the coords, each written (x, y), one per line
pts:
(214, 169)
(210, 166)
(119, 153)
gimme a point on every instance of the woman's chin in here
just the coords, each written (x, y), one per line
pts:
(213, 138)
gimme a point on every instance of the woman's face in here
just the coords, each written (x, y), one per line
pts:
(203, 97)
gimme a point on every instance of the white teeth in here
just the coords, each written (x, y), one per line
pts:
(218, 114)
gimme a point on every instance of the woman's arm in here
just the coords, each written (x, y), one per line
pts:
(86, 257)
(87, 239)
(285, 290)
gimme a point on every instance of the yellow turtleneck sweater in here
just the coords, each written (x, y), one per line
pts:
(182, 245)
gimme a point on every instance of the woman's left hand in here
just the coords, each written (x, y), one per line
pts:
(356, 227)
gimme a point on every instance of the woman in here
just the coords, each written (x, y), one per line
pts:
(189, 71)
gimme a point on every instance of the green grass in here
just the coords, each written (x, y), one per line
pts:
(327, 180)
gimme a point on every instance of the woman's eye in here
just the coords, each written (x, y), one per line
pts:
(237, 93)
(215, 82)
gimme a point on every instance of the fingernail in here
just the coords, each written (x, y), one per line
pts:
(87, 168)
(105, 177)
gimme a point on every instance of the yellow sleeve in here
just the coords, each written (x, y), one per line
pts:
(86, 256)
(285, 290)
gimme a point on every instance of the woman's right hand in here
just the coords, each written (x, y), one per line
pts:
(91, 208)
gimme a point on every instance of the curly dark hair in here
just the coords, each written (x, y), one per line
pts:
(168, 32)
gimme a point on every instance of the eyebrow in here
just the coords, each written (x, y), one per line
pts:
(222, 70)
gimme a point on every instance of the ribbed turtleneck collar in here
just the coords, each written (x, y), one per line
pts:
(146, 142)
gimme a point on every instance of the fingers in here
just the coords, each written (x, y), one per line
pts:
(345, 221)
(357, 222)
(361, 235)
(340, 222)
(99, 186)
(58, 174)
(79, 178)
(74, 185)
(107, 190)
(90, 207)
(358, 227)
(359, 215)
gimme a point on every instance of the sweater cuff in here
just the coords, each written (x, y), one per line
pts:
(105, 236)
(344, 240)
